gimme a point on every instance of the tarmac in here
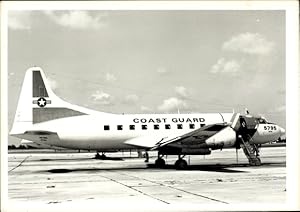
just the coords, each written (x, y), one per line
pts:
(124, 182)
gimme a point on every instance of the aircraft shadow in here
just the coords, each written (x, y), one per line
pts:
(209, 168)
(222, 167)
(225, 168)
(89, 170)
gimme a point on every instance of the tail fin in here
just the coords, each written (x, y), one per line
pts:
(37, 103)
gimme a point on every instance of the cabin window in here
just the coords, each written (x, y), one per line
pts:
(132, 127)
(156, 126)
(192, 126)
(106, 127)
(168, 126)
(179, 126)
(144, 127)
(202, 125)
(120, 127)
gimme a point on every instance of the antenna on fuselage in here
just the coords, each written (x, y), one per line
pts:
(246, 111)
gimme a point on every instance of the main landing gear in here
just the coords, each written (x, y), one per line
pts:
(180, 164)
(160, 162)
(100, 157)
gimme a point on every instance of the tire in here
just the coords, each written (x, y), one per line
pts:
(160, 163)
(181, 164)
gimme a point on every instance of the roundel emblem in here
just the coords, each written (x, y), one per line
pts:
(41, 102)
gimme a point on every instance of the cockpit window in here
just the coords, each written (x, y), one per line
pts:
(262, 121)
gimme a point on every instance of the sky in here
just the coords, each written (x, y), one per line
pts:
(153, 61)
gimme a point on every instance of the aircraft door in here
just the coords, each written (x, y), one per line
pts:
(248, 126)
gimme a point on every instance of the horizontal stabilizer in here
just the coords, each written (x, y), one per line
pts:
(40, 136)
(39, 145)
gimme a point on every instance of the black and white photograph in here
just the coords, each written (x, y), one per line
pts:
(149, 106)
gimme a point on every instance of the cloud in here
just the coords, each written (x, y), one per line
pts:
(102, 98)
(162, 70)
(76, 19)
(278, 109)
(249, 43)
(145, 109)
(131, 99)
(172, 104)
(19, 20)
(110, 77)
(226, 66)
(181, 91)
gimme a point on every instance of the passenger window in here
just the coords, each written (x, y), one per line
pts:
(132, 127)
(168, 126)
(156, 126)
(144, 127)
(192, 126)
(120, 127)
(179, 126)
(202, 125)
(106, 127)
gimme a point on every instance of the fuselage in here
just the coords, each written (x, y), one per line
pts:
(111, 131)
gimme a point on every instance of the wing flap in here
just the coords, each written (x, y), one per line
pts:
(196, 137)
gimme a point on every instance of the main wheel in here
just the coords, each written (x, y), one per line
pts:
(160, 163)
(100, 157)
(181, 164)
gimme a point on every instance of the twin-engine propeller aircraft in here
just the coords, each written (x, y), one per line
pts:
(45, 119)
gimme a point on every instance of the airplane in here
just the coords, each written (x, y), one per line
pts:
(44, 118)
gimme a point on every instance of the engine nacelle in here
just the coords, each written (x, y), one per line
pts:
(224, 138)
(169, 150)
(189, 151)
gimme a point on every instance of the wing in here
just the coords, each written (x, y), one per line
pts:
(196, 138)
(212, 136)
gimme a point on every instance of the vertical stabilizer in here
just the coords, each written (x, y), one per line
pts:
(37, 103)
